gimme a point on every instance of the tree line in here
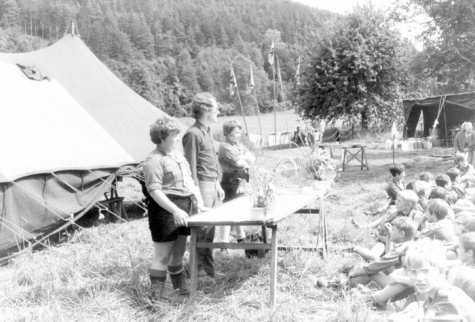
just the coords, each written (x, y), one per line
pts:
(168, 50)
(356, 67)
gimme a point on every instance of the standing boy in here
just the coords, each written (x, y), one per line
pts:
(201, 155)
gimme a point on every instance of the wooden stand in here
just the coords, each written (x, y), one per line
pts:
(357, 152)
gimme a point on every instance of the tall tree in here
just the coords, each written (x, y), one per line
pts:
(355, 72)
(449, 43)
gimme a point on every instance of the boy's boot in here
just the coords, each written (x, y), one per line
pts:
(178, 279)
(157, 288)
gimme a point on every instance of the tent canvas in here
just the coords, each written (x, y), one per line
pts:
(455, 109)
(63, 139)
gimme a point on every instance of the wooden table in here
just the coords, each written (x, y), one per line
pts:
(240, 212)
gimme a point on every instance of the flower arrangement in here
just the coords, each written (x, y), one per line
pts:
(322, 167)
(263, 188)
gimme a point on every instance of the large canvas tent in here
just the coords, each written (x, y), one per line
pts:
(449, 110)
(62, 138)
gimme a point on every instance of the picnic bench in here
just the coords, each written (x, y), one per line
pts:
(240, 212)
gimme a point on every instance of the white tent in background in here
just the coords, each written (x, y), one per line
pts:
(62, 139)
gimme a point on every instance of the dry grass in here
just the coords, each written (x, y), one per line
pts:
(101, 273)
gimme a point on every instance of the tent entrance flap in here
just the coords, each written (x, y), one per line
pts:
(450, 114)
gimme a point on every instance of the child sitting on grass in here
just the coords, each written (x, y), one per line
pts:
(425, 266)
(427, 177)
(396, 184)
(439, 226)
(443, 181)
(400, 233)
(466, 169)
(405, 207)
(457, 186)
(464, 279)
(422, 190)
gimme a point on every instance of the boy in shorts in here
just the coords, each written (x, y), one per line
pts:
(405, 207)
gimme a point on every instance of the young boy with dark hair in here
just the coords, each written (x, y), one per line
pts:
(456, 185)
(439, 226)
(443, 181)
(396, 184)
(425, 266)
(463, 165)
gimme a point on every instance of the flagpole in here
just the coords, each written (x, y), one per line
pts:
(239, 96)
(275, 113)
(251, 79)
(279, 74)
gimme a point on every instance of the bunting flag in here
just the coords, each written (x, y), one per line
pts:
(297, 74)
(271, 53)
(394, 132)
(250, 83)
(232, 83)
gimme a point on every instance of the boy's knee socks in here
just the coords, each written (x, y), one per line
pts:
(157, 276)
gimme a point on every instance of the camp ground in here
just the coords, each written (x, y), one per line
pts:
(68, 125)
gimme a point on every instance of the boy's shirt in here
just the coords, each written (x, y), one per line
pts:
(393, 188)
(467, 170)
(442, 230)
(449, 303)
(451, 197)
(391, 259)
(459, 189)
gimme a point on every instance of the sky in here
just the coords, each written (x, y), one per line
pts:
(345, 6)
(342, 6)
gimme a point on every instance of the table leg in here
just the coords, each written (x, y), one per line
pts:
(193, 262)
(273, 267)
(324, 221)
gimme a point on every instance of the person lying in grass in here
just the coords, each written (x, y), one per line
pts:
(426, 267)
(400, 233)
(405, 207)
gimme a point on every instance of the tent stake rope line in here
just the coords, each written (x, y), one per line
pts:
(117, 190)
(96, 203)
(70, 221)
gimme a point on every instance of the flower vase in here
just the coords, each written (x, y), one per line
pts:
(321, 184)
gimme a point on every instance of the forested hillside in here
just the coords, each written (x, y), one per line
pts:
(167, 50)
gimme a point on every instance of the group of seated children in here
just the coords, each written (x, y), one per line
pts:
(425, 245)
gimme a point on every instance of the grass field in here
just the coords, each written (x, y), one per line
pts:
(101, 273)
